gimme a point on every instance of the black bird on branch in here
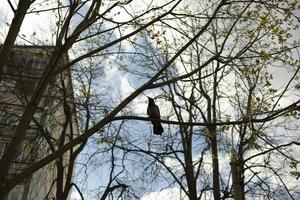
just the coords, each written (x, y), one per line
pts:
(153, 112)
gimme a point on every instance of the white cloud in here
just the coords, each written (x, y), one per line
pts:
(166, 194)
(174, 164)
(75, 196)
(125, 87)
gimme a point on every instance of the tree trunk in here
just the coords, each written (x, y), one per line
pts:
(215, 163)
(236, 177)
(189, 169)
(60, 178)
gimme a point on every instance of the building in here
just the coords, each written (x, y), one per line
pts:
(49, 126)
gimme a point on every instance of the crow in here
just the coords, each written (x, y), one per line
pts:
(153, 112)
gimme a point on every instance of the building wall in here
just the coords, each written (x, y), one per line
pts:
(25, 66)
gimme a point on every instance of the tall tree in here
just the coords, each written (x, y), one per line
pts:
(211, 66)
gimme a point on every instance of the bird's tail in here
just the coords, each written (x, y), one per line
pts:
(158, 129)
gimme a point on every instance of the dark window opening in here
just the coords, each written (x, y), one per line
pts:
(25, 86)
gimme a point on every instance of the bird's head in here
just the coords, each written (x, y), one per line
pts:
(150, 100)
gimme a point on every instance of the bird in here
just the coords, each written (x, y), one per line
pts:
(153, 112)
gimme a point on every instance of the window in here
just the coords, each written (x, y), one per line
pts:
(36, 64)
(20, 151)
(25, 86)
(3, 146)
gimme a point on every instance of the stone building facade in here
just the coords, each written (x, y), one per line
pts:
(20, 75)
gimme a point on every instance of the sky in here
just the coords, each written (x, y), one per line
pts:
(114, 78)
